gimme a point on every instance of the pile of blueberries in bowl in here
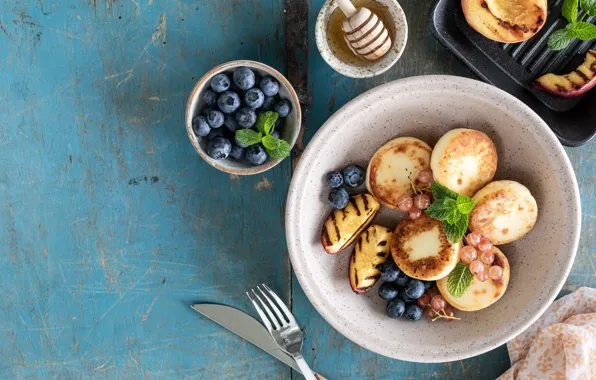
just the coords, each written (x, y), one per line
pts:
(237, 100)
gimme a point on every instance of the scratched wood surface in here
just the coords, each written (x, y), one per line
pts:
(111, 225)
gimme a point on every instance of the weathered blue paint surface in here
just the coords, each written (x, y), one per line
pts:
(110, 224)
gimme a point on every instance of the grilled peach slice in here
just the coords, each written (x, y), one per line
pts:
(505, 20)
(342, 227)
(576, 83)
(370, 251)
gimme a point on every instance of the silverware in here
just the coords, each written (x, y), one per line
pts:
(281, 325)
(245, 327)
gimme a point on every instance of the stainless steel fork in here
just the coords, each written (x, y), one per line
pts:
(281, 325)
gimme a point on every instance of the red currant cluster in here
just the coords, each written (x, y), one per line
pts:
(435, 307)
(481, 266)
(421, 201)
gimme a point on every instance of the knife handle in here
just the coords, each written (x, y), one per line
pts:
(319, 377)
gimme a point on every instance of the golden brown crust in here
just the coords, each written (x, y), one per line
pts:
(467, 143)
(425, 268)
(388, 192)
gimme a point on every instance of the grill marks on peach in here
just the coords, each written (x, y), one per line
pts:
(367, 258)
(342, 227)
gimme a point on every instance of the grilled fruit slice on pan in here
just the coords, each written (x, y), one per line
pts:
(371, 250)
(506, 20)
(342, 227)
(570, 85)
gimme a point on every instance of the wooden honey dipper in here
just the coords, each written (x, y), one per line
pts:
(365, 33)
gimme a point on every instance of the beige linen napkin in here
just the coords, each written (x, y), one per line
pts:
(559, 345)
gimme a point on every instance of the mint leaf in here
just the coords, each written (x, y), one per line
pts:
(454, 216)
(589, 6)
(266, 122)
(441, 209)
(570, 8)
(248, 137)
(440, 191)
(584, 31)
(270, 142)
(456, 231)
(465, 205)
(560, 39)
(459, 280)
(281, 150)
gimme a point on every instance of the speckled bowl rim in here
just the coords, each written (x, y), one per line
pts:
(438, 83)
(193, 100)
(381, 66)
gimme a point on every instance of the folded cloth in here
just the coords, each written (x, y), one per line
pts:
(561, 344)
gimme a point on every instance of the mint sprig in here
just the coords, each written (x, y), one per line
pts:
(584, 31)
(459, 280)
(276, 148)
(452, 209)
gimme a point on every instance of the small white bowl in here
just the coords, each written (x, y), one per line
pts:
(195, 103)
(369, 69)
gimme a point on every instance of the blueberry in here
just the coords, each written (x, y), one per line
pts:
(219, 148)
(230, 123)
(335, 180)
(428, 284)
(402, 279)
(244, 78)
(415, 289)
(388, 291)
(413, 312)
(268, 103)
(255, 154)
(246, 117)
(395, 308)
(254, 98)
(275, 134)
(338, 198)
(220, 83)
(200, 126)
(228, 102)
(353, 175)
(269, 86)
(210, 97)
(237, 152)
(402, 294)
(282, 108)
(216, 132)
(389, 271)
(215, 119)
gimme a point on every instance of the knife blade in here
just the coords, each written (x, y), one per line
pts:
(245, 327)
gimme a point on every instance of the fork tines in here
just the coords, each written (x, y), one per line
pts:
(268, 305)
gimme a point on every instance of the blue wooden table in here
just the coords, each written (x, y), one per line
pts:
(111, 225)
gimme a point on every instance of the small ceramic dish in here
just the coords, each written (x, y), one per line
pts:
(427, 107)
(289, 131)
(335, 50)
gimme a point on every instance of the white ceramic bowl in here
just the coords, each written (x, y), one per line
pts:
(289, 132)
(427, 107)
(399, 38)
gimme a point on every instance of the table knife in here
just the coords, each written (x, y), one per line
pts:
(245, 327)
